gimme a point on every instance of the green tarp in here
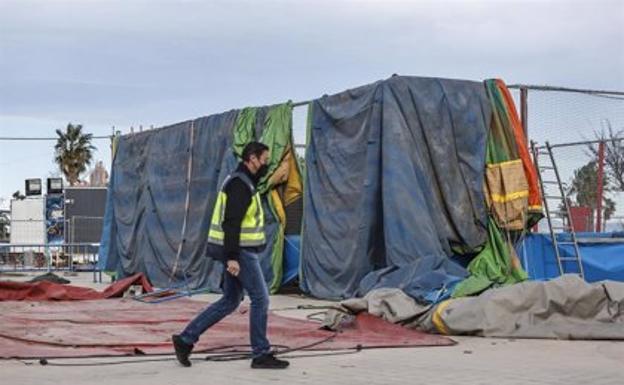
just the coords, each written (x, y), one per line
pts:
(495, 265)
(273, 127)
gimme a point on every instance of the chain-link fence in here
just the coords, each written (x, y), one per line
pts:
(592, 177)
(575, 122)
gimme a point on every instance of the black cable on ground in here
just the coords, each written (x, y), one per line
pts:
(218, 357)
(314, 317)
(243, 356)
(45, 362)
(333, 353)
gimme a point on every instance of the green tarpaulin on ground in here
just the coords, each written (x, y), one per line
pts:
(495, 265)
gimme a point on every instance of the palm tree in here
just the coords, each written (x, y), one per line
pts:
(73, 152)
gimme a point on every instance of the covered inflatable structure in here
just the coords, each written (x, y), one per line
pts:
(413, 183)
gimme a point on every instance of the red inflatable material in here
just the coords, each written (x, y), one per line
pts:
(117, 327)
(43, 290)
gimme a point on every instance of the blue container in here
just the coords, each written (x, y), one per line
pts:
(291, 258)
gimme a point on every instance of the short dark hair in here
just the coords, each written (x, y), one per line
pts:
(254, 148)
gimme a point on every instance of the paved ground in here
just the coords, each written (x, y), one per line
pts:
(471, 361)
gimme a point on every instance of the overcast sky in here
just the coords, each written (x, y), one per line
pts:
(126, 63)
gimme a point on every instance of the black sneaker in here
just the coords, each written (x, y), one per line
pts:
(182, 350)
(268, 361)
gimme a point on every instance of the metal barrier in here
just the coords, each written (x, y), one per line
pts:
(72, 257)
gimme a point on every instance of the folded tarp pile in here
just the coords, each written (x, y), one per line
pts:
(564, 308)
(394, 191)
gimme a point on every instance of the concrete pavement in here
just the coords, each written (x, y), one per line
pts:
(472, 361)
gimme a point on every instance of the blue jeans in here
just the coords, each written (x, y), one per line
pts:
(251, 279)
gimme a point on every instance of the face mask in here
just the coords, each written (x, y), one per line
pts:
(262, 171)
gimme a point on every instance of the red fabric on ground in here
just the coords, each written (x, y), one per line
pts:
(43, 290)
(116, 327)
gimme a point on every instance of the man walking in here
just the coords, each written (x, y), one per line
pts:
(238, 226)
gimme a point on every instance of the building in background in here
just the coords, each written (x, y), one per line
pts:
(5, 225)
(99, 176)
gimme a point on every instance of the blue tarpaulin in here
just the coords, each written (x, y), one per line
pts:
(602, 255)
(393, 189)
(394, 186)
(148, 225)
(292, 245)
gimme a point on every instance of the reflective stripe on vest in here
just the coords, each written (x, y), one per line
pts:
(252, 226)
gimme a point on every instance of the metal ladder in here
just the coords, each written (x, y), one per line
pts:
(563, 198)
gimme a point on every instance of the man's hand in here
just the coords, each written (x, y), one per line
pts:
(233, 267)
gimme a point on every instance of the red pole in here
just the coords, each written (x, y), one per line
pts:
(535, 228)
(601, 150)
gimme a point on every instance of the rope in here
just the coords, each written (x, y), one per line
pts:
(186, 204)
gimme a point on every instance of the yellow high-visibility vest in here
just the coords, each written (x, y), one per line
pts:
(252, 227)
